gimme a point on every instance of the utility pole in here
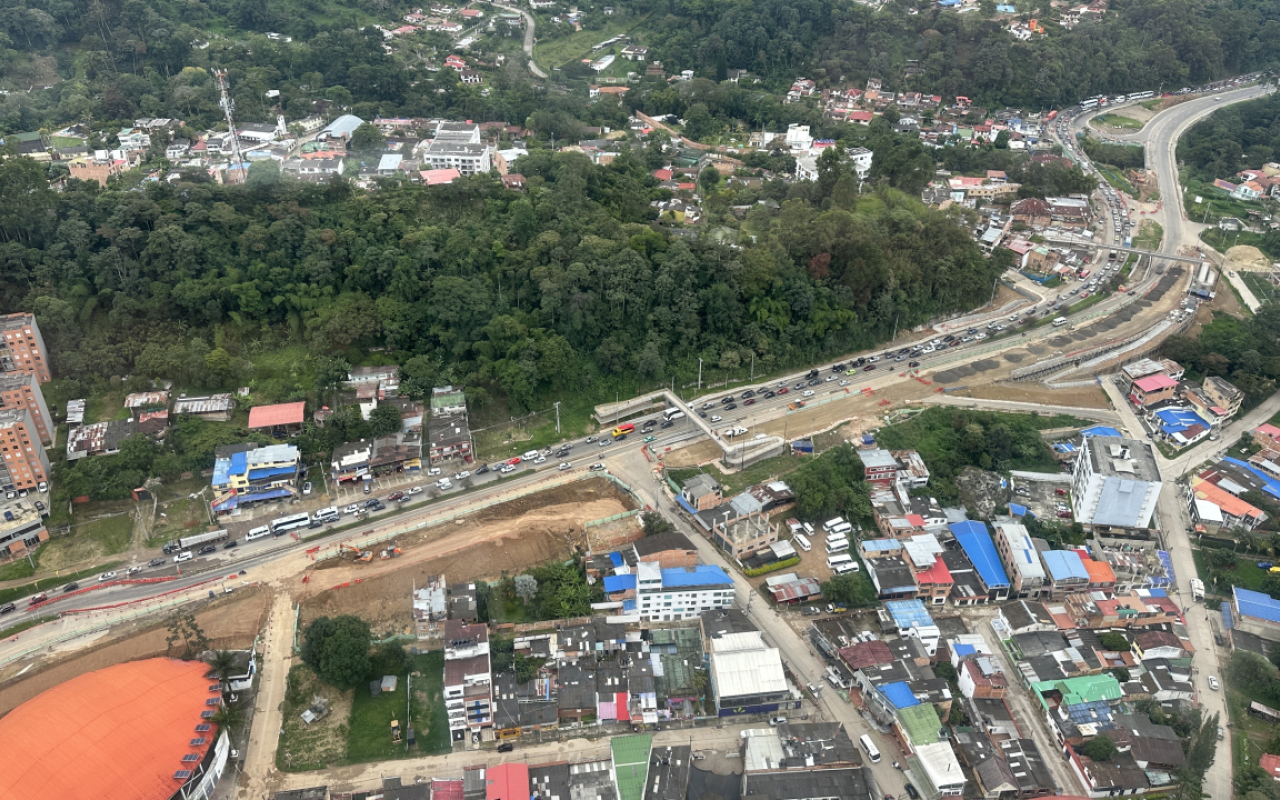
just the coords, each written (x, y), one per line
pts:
(753, 365)
(228, 106)
(699, 374)
(557, 416)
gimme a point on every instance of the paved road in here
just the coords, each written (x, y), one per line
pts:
(1246, 294)
(529, 28)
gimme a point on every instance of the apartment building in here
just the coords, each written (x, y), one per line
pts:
(468, 681)
(25, 464)
(680, 593)
(22, 349)
(1021, 560)
(22, 390)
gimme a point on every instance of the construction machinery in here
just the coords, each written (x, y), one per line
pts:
(363, 556)
(391, 552)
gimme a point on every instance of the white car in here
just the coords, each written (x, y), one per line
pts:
(306, 487)
(808, 393)
(530, 455)
(416, 490)
(353, 509)
(928, 349)
(979, 336)
(844, 383)
(444, 485)
(185, 555)
(433, 471)
(1213, 683)
(716, 417)
(831, 378)
(106, 576)
(461, 475)
(540, 460)
(507, 468)
(565, 465)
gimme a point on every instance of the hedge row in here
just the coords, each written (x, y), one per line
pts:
(774, 567)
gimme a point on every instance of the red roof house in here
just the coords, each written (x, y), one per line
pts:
(279, 415)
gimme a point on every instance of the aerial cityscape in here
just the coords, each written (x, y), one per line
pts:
(845, 400)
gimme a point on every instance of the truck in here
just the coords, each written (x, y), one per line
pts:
(1197, 589)
(194, 540)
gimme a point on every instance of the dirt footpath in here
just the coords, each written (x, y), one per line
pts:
(230, 623)
(505, 538)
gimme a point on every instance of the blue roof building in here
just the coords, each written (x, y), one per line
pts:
(899, 694)
(1066, 570)
(907, 613)
(341, 128)
(1256, 607)
(680, 593)
(975, 540)
(1099, 430)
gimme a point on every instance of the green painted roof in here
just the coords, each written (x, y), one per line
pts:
(920, 722)
(1085, 689)
(631, 764)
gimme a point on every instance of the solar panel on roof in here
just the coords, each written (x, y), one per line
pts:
(207, 714)
(213, 701)
(203, 727)
(182, 775)
(198, 741)
(190, 757)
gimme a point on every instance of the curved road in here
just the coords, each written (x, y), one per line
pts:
(529, 27)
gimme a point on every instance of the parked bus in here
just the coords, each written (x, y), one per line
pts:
(672, 413)
(872, 752)
(289, 523)
(623, 429)
(840, 531)
(257, 533)
(837, 546)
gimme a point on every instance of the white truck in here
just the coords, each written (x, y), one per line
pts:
(194, 540)
(1197, 589)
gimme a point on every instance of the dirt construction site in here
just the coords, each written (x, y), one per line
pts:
(508, 537)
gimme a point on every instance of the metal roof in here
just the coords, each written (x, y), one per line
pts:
(908, 613)
(1064, 565)
(1256, 605)
(977, 544)
(900, 694)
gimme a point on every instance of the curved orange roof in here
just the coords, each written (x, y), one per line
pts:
(118, 733)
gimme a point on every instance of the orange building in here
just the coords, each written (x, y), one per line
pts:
(135, 731)
(25, 464)
(22, 349)
(22, 390)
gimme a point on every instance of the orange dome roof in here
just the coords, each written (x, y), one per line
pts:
(118, 733)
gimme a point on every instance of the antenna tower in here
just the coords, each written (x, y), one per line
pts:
(228, 106)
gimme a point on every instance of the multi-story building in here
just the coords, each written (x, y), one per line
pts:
(100, 168)
(745, 536)
(675, 594)
(22, 390)
(468, 683)
(246, 473)
(22, 349)
(449, 432)
(747, 676)
(897, 468)
(1223, 394)
(21, 526)
(701, 493)
(1116, 483)
(25, 464)
(1013, 543)
(431, 608)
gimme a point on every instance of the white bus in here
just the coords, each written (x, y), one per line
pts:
(672, 413)
(872, 752)
(1088, 103)
(802, 541)
(257, 533)
(840, 564)
(831, 523)
(837, 546)
(842, 530)
(289, 523)
(329, 514)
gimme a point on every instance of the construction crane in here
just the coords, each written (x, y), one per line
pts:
(228, 106)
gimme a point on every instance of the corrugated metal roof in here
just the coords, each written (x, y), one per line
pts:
(977, 544)
(1064, 565)
(1257, 605)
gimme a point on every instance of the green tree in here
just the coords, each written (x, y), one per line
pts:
(185, 631)
(526, 588)
(384, 420)
(708, 179)
(654, 523)
(338, 650)
(1099, 748)
(1115, 641)
(221, 662)
(366, 138)
(852, 590)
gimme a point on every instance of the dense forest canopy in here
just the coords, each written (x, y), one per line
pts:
(1240, 136)
(530, 295)
(115, 60)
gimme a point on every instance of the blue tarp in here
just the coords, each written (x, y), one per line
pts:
(270, 494)
(963, 649)
(628, 605)
(1099, 430)
(899, 693)
(685, 505)
(976, 542)
(1270, 485)
(619, 583)
(615, 558)
(270, 472)
(1017, 510)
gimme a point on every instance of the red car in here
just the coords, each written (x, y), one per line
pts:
(395, 495)
(749, 401)
(868, 367)
(784, 390)
(513, 461)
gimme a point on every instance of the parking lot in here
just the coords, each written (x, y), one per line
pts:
(1043, 498)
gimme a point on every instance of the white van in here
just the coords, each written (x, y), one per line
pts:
(672, 413)
(835, 563)
(1059, 322)
(802, 542)
(444, 484)
(872, 752)
(326, 514)
(837, 546)
(841, 530)
(831, 523)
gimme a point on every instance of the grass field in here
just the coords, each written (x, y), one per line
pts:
(1149, 235)
(768, 469)
(1117, 121)
(1259, 285)
(555, 53)
(369, 730)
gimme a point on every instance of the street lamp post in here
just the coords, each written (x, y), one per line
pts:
(699, 374)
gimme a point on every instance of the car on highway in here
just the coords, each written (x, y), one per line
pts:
(106, 576)
(433, 472)
(463, 475)
(783, 390)
(155, 562)
(601, 443)
(351, 509)
(207, 549)
(71, 587)
(506, 469)
(747, 393)
(597, 467)
(716, 417)
(7, 608)
(814, 382)
(844, 383)
(868, 367)
(395, 495)
(591, 439)
(484, 469)
(707, 405)
(749, 402)
(808, 393)
(770, 395)
(730, 407)
(513, 461)
(649, 439)
(564, 465)
(667, 423)
(913, 363)
(185, 555)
